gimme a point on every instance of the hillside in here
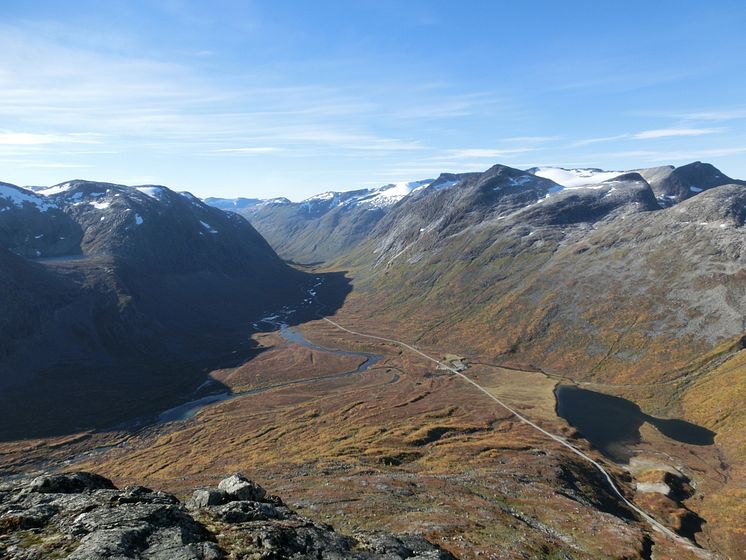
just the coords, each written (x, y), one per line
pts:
(135, 291)
(324, 226)
(634, 287)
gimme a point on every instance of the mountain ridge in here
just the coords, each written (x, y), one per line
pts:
(131, 291)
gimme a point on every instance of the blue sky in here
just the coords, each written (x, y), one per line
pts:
(291, 98)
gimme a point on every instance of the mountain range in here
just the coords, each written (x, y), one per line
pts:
(631, 281)
(595, 275)
(119, 299)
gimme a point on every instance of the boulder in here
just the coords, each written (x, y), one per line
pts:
(238, 487)
(205, 497)
(241, 512)
(70, 483)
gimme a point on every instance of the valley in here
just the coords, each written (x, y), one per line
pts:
(375, 280)
(489, 360)
(308, 412)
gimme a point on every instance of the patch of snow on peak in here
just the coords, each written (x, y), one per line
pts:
(391, 194)
(153, 192)
(330, 199)
(520, 181)
(575, 178)
(138, 219)
(447, 184)
(101, 205)
(279, 200)
(55, 189)
(18, 198)
(323, 196)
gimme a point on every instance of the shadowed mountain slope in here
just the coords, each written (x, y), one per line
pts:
(148, 288)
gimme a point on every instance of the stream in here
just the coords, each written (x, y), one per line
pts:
(189, 409)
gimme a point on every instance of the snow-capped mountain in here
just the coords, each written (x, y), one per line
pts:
(573, 178)
(670, 184)
(323, 225)
(380, 197)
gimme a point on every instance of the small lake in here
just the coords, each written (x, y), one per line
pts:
(612, 424)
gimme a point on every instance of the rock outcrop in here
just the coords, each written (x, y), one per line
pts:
(83, 516)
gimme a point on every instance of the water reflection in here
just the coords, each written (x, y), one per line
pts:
(612, 424)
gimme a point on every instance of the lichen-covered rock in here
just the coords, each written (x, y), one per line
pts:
(204, 497)
(81, 516)
(70, 483)
(239, 512)
(238, 487)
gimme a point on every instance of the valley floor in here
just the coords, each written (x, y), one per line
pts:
(402, 446)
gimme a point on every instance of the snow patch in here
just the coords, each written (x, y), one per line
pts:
(520, 181)
(573, 178)
(153, 192)
(19, 198)
(391, 194)
(323, 196)
(447, 185)
(138, 219)
(695, 189)
(56, 189)
(101, 205)
(208, 227)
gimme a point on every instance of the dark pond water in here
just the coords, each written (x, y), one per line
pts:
(612, 424)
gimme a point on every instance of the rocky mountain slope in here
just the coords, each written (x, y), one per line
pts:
(566, 268)
(84, 516)
(134, 290)
(635, 284)
(591, 278)
(324, 226)
(674, 184)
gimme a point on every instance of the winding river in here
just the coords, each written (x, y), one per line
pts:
(291, 335)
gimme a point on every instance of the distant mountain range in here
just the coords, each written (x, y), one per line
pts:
(323, 226)
(602, 272)
(328, 225)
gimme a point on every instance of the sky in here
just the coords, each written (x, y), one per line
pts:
(292, 98)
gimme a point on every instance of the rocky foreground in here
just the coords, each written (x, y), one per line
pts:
(84, 516)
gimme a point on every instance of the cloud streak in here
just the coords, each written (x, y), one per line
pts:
(674, 132)
(32, 139)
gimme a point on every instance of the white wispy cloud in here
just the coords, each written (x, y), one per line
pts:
(50, 90)
(248, 150)
(715, 115)
(674, 132)
(469, 153)
(654, 134)
(722, 114)
(670, 156)
(34, 139)
(599, 140)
